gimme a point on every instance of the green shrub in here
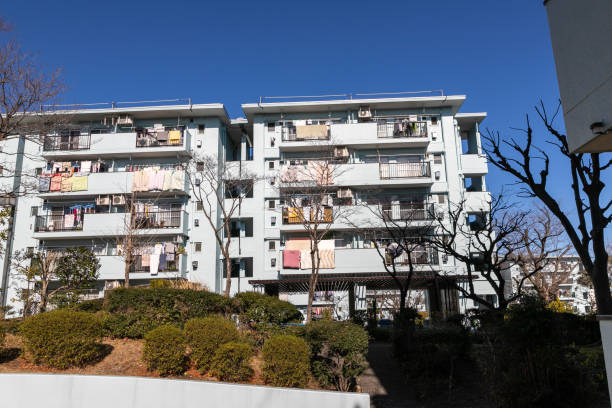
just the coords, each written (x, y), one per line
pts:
(62, 338)
(260, 308)
(231, 362)
(142, 309)
(204, 337)
(338, 352)
(92, 306)
(380, 334)
(164, 350)
(286, 361)
(533, 357)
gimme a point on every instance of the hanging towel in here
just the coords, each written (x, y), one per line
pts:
(174, 137)
(146, 259)
(178, 182)
(298, 244)
(168, 180)
(66, 184)
(56, 183)
(162, 262)
(305, 259)
(79, 183)
(152, 180)
(158, 183)
(86, 166)
(68, 220)
(43, 184)
(327, 259)
(329, 244)
(154, 263)
(291, 259)
(169, 248)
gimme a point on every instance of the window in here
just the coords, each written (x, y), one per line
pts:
(201, 128)
(39, 171)
(273, 221)
(441, 198)
(200, 166)
(585, 295)
(199, 206)
(437, 158)
(271, 204)
(273, 262)
(434, 120)
(236, 188)
(34, 211)
(271, 127)
(271, 165)
(272, 245)
(197, 247)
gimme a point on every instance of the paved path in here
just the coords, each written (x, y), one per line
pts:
(383, 380)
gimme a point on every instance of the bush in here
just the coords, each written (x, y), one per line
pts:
(205, 336)
(338, 352)
(92, 306)
(130, 326)
(259, 308)
(62, 338)
(231, 362)
(286, 361)
(164, 350)
(533, 357)
(142, 309)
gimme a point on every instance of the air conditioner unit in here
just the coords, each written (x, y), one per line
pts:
(125, 120)
(365, 112)
(118, 199)
(103, 200)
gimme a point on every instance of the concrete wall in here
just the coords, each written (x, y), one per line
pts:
(71, 391)
(581, 34)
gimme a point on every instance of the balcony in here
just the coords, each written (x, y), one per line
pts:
(109, 224)
(408, 211)
(419, 256)
(299, 216)
(113, 145)
(305, 133)
(404, 170)
(398, 128)
(477, 201)
(112, 267)
(474, 164)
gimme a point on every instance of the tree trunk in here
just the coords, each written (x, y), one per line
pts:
(128, 264)
(42, 307)
(228, 276)
(601, 285)
(403, 295)
(312, 284)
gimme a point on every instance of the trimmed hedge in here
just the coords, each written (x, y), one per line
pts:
(164, 350)
(260, 308)
(135, 311)
(231, 362)
(92, 306)
(286, 361)
(205, 336)
(62, 338)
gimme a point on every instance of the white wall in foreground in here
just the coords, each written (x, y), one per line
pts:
(72, 391)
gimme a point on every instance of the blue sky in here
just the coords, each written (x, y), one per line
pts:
(497, 53)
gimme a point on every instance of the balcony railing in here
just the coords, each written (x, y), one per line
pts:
(72, 140)
(58, 223)
(292, 215)
(404, 170)
(418, 257)
(157, 219)
(137, 266)
(159, 138)
(408, 211)
(401, 128)
(304, 133)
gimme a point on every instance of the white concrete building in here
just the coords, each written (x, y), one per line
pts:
(419, 148)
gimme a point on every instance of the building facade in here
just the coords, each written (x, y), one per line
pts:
(110, 165)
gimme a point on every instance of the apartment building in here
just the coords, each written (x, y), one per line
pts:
(421, 152)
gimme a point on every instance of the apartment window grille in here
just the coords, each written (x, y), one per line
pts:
(271, 204)
(197, 246)
(270, 165)
(441, 198)
(273, 221)
(437, 159)
(201, 129)
(272, 245)
(273, 262)
(34, 211)
(199, 206)
(200, 166)
(271, 127)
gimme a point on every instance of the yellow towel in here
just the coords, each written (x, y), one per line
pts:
(79, 183)
(66, 184)
(311, 132)
(292, 212)
(174, 137)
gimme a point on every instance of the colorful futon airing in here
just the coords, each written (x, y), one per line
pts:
(297, 254)
(155, 179)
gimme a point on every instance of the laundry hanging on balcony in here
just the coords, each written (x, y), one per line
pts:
(155, 179)
(291, 259)
(44, 184)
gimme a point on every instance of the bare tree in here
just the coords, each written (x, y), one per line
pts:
(220, 187)
(486, 245)
(546, 250)
(530, 166)
(308, 191)
(399, 229)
